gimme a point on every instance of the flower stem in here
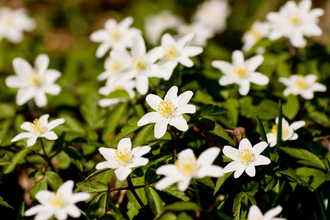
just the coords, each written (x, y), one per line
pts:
(175, 137)
(198, 198)
(43, 149)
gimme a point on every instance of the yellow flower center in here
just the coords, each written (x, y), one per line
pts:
(115, 34)
(255, 217)
(186, 165)
(240, 70)
(301, 83)
(166, 108)
(171, 52)
(8, 21)
(255, 34)
(285, 131)
(123, 157)
(37, 127)
(139, 63)
(245, 156)
(34, 79)
(115, 66)
(294, 18)
(56, 200)
(116, 88)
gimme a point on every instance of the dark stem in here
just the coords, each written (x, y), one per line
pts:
(43, 149)
(198, 198)
(129, 188)
(48, 159)
(175, 137)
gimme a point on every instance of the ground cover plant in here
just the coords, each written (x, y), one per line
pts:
(175, 109)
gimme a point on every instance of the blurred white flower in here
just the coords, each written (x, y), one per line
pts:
(168, 111)
(302, 85)
(255, 213)
(39, 128)
(258, 31)
(34, 82)
(61, 203)
(156, 24)
(213, 13)
(288, 131)
(13, 23)
(201, 31)
(188, 167)
(175, 52)
(112, 69)
(124, 158)
(116, 36)
(245, 158)
(241, 72)
(294, 21)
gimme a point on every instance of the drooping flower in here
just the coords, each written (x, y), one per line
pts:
(255, 213)
(294, 22)
(241, 72)
(302, 85)
(60, 204)
(13, 23)
(188, 167)
(124, 158)
(168, 111)
(258, 31)
(201, 31)
(116, 36)
(34, 82)
(245, 158)
(39, 128)
(288, 131)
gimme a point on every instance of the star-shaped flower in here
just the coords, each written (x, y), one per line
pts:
(258, 31)
(241, 72)
(188, 167)
(34, 82)
(113, 68)
(39, 128)
(256, 214)
(245, 158)
(168, 111)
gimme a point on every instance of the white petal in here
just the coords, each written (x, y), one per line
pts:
(179, 122)
(254, 212)
(184, 98)
(24, 95)
(296, 125)
(142, 84)
(239, 171)
(232, 166)
(44, 214)
(260, 147)
(168, 67)
(22, 67)
(185, 61)
(271, 138)
(15, 82)
(138, 162)
(107, 164)
(151, 117)
(212, 171)
(138, 47)
(273, 212)
(191, 51)
(66, 189)
(61, 214)
(307, 94)
(34, 210)
(40, 98)
(293, 137)
(125, 143)
(297, 39)
(186, 109)
(225, 67)
(122, 173)
(22, 136)
(139, 151)
(168, 170)
(79, 197)
(183, 184)
(244, 87)
(32, 140)
(184, 40)
(171, 94)
(99, 36)
(153, 101)
(259, 79)
(250, 170)
(41, 63)
(26, 126)
(72, 210)
(237, 57)
(124, 24)
(55, 123)
(253, 63)
(49, 135)
(226, 79)
(160, 127)
(109, 102)
(102, 49)
(167, 181)
(317, 87)
(51, 76)
(107, 153)
(230, 152)
(262, 160)
(167, 39)
(245, 144)
(52, 89)
(208, 156)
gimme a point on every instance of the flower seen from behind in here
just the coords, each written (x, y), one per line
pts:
(124, 158)
(39, 128)
(168, 111)
(246, 158)
(188, 167)
(34, 82)
(60, 204)
(256, 214)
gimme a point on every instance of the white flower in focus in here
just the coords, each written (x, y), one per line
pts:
(113, 68)
(13, 23)
(168, 111)
(255, 213)
(175, 52)
(116, 36)
(241, 72)
(288, 131)
(201, 31)
(188, 167)
(258, 31)
(294, 22)
(34, 82)
(39, 128)
(302, 85)
(213, 13)
(124, 158)
(245, 158)
(61, 203)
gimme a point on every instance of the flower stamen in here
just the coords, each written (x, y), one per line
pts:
(56, 200)
(123, 157)
(186, 165)
(240, 70)
(115, 34)
(34, 79)
(37, 127)
(284, 131)
(301, 83)
(245, 156)
(166, 109)
(294, 18)
(171, 52)
(139, 63)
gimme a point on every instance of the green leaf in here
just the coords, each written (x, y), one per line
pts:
(129, 128)
(270, 181)
(210, 110)
(237, 207)
(221, 181)
(96, 173)
(174, 191)
(74, 156)
(98, 206)
(183, 206)
(161, 157)
(54, 180)
(279, 126)
(265, 108)
(293, 174)
(92, 186)
(7, 110)
(184, 216)
(207, 181)
(262, 130)
(168, 216)
(71, 124)
(40, 185)
(4, 203)
(141, 137)
(307, 158)
(16, 159)
(291, 107)
(154, 200)
(21, 212)
(320, 118)
(314, 177)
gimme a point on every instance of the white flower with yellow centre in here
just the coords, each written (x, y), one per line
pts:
(288, 131)
(294, 22)
(302, 85)
(188, 167)
(38, 128)
(256, 214)
(245, 158)
(201, 31)
(60, 204)
(241, 72)
(34, 82)
(116, 36)
(113, 68)
(124, 158)
(258, 31)
(168, 111)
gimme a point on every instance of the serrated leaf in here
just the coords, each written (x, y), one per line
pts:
(174, 191)
(39, 185)
(16, 159)
(314, 177)
(54, 180)
(221, 181)
(293, 174)
(210, 110)
(4, 203)
(92, 186)
(154, 200)
(238, 205)
(98, 206)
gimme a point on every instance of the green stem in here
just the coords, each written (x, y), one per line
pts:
(275, 203)
(43, 149)
(320, 200)
(279, 127)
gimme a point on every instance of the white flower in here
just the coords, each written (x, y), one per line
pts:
(175, 52)
(294, 22)
(60, 203)
(241, 72)
(115, 36)
(168, 111)
(124, 158)
(258, 31)
(34, 82)
(201, 31)
(39, 128)
(288, 131)
(213, 13)
(188, 167)
(113, 68)
(13, 23)
(245, 158)
(255, 213)
(302, 85)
